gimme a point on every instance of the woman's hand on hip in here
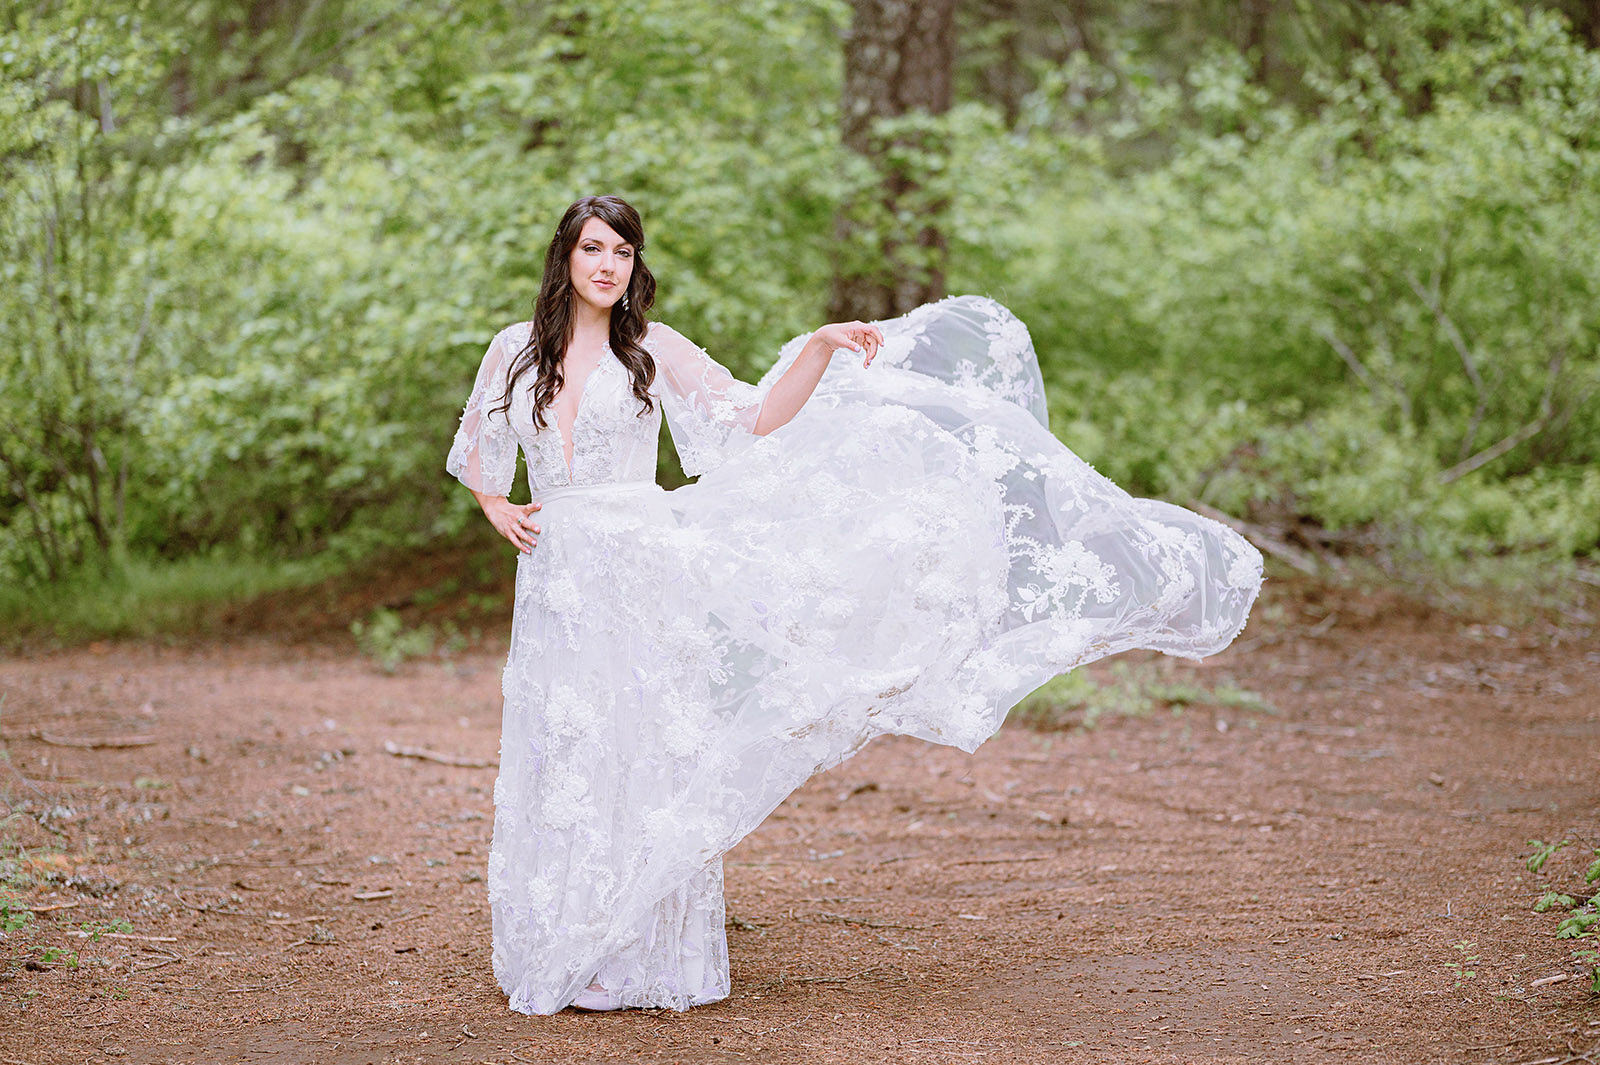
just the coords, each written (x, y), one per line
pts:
(857, 336)
(514, 521)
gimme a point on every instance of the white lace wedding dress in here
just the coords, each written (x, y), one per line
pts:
(913, 553)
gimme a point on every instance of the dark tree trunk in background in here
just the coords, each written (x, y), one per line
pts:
(1254, 39)
(1003, 78)
(1587, 22)
(899, 58)
(1002, 44)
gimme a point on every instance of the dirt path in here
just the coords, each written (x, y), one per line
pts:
(1337, 879)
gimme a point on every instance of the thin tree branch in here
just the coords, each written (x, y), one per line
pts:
(155, 152)
(1430, 299)
(127, 387)
(1349, 357)
(1522, 435)
(1261, 537)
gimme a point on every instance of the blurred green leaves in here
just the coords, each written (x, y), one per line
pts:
(250, 253)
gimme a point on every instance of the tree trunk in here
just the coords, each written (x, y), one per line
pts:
(1254, 17)
(1586, 20)
(899, 58)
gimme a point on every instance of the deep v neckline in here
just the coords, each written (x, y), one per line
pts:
(569, 438)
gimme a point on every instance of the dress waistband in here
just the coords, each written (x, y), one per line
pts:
(609, 489)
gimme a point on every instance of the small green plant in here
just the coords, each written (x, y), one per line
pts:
(15, 878)
(1463, 968)
(1551, 898)
(1590, 959)
(1580, 918)
(52, 955)
(384, 638)
(97, 930)
(1542, 852)
(1576, 925)
(14, 915)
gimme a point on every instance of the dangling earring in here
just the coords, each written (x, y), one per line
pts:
(624, 301)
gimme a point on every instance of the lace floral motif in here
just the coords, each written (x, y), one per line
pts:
(708, 410)
(484, 454)
(911, 554)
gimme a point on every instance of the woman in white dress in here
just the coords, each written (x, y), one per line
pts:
(869, 549)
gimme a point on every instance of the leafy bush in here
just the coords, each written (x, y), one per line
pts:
(1384, 312)
(1371, 303)
(385, 639)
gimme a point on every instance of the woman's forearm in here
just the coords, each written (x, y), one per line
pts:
(790, 392)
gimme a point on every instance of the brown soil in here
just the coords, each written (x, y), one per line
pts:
(1337, 878)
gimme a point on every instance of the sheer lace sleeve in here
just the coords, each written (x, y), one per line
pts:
(484, 455)
(709, 411)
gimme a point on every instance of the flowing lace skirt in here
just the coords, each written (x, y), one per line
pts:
(912, 554)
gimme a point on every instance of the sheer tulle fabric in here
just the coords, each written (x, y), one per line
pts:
(911, 554)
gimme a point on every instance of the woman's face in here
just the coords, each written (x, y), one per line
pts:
(601, 264)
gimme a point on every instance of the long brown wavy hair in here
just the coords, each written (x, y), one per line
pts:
(552, 309)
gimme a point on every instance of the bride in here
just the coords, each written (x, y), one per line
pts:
(894, 544)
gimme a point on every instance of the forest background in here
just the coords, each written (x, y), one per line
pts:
(1329, 266)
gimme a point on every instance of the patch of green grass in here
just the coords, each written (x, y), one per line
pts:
(147, 597)
(1077, 699)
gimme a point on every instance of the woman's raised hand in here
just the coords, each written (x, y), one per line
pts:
(857, 336)
(514, 521)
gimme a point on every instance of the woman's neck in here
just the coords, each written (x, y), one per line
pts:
(591, 325)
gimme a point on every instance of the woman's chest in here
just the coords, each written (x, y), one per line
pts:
(595, 430)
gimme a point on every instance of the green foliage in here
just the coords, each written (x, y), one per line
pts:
(1352, 280)
(284, 309)
(96, 929)
(1551, 898)
(14, 913)
(1580, 918)
(1381, 313)
(144, 597)
(1576, 925)
(1591, 960)
(1077, 699)
(51, 956)
(77, 277)
(1463, 965)
(385, 639)
(1542, 852)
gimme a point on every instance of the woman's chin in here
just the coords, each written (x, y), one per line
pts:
(600, 301)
